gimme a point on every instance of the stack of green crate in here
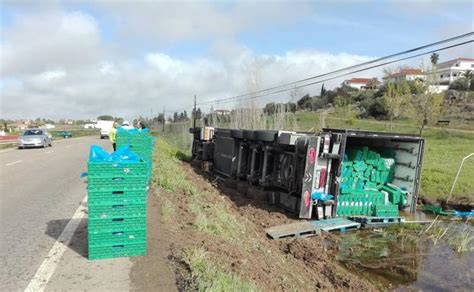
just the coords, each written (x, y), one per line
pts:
(365, 183)
(117, 193)
(139, 141)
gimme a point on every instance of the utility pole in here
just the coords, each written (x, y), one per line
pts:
(194, 113)
(164, 120)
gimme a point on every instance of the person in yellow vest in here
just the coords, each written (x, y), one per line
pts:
(113, 135)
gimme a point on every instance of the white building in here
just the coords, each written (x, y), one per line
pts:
(408, 74)
(360, 83)
(451, 70)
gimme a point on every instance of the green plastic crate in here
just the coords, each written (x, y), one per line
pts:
(117, 223)
(112, 237)
(117, 196)
(104, 209)
(118, 181)
(118, 168)
(386, 210)
(117, 251)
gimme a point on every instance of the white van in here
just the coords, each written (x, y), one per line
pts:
(105, 127)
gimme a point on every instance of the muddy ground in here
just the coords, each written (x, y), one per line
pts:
(302, 264)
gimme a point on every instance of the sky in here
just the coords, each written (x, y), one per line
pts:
(81, 59)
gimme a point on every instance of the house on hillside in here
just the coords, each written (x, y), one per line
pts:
(452, 70)
(407, 74)
(362, 83)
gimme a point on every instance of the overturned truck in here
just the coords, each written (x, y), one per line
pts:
(335, 172)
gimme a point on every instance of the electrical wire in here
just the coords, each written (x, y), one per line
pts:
(335, 77)
(351, 67)
(271, 90)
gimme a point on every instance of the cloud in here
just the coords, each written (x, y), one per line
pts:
(46, 40)
(56, 63)
(172, 21)
(129, 89)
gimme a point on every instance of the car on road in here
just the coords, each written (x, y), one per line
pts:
(35, 138)
(64, 134)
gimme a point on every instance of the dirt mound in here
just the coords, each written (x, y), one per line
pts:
(288, 264)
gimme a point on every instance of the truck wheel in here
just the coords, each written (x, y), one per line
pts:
(265, 136)
(249, 134)
(238, 134)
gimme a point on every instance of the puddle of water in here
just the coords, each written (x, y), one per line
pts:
(401, 258)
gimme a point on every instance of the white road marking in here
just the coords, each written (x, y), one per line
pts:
(50, 263)
(50, 151)
(15, 162)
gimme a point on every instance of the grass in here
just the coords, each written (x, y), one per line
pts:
(216, 220)
(209, 276)
(444, 151)
(168, 210)
(211, 218)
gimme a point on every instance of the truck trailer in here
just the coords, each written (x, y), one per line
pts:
(334, 172)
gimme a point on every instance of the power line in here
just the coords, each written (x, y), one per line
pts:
(223, 101)
(265, 92)
(345, 69)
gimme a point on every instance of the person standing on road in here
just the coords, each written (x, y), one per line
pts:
(113, 135)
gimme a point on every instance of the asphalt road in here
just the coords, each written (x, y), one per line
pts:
(40, 190)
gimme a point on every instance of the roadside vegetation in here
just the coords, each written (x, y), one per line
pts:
(218, 240)
(210, 218)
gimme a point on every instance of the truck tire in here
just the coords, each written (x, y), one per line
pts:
(249, 134)
(265, 136)
(238, 134)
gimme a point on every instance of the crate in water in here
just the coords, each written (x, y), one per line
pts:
(116, 251)
(112, 237)
(104, 209)
(117, 195)
(117, 181)
(118, 223)
(389, 210)
(117, 168)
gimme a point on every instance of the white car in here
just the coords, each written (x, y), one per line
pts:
(35, 138)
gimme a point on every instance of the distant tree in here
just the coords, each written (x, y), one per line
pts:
(426, 108)
(318, 103)
(295, 93)
(470, 78)
(304, 102)
(461, 84)
(373, 83)
(160, 118)
(197, 114)
(331, 95)
(105, 118)
(269, 108)
(395, 99)
(342, 101)
(291, 107)
(323, 91)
